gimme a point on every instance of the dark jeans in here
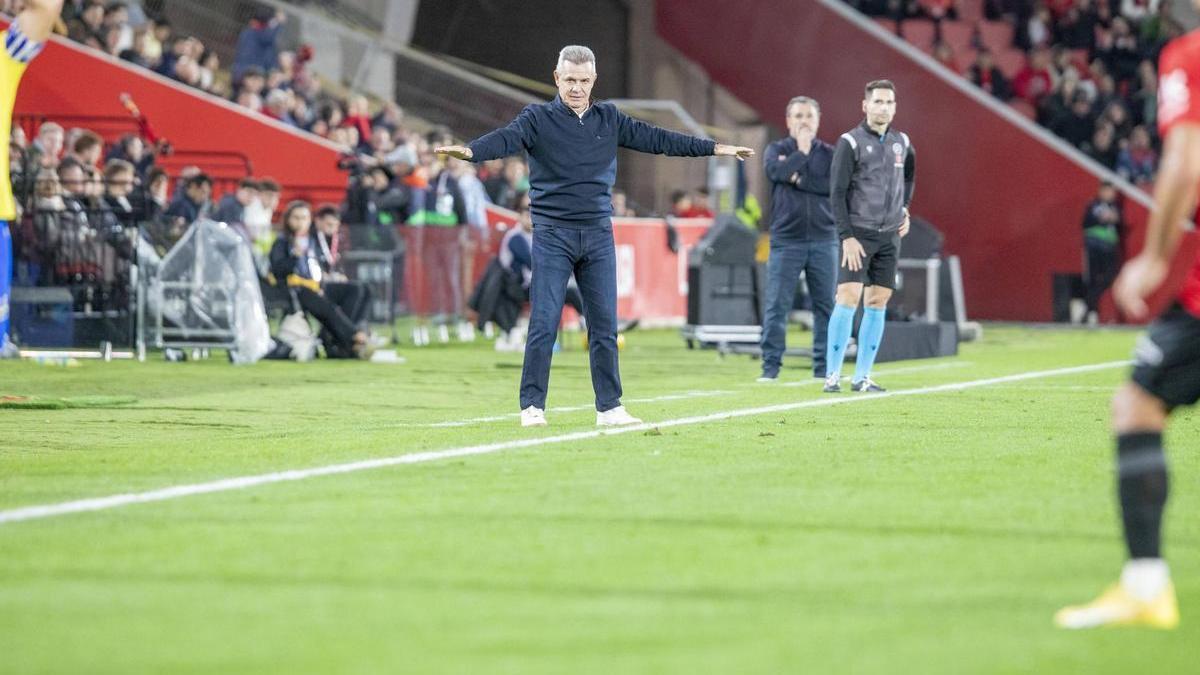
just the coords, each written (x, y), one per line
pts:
(1103, 263)
(819, 262)
(353, 297)
(337, 330)
(589, 253)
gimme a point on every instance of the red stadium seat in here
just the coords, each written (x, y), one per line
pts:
(957, 34)
(997, 35)
(919, 33)
(970, 11)
(1010, 61)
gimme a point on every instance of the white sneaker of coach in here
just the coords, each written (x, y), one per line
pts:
(533, 417)
(616, 417)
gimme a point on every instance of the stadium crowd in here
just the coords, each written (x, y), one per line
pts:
(1089, 73)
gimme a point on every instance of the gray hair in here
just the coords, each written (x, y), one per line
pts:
(803, 100)
(575, 54)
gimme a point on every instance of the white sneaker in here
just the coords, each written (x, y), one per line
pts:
(533, 416)
(616, 417)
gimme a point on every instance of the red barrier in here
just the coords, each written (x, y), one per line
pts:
(1009, 203)
(70, 80)
(651, 280)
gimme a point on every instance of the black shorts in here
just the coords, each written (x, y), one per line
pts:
(1167, 358)
(879, 265)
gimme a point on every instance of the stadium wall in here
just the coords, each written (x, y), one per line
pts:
(1008, 196)
(71, 81)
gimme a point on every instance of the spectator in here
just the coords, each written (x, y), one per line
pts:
(1118, 48)
(1103, 147)
(89, 25)
(151, 204)
(1040, 28)
(193, 203)
(475, 197)
(681, 203)
(294, 265)
(943, 53)
(258, 214)
(46, 148)
(1077, 28)
(373, 199)
(87, 148)
(1102, 224)
(512, 182)
(72, 177)
(48, 217)
(1034, 82)
(1138, 11)
(1138, 162)
(701, 204)
(231, 208)
(353, 296)
(278, 107)
(257, 44)
(132, 149)
(390, 117)
(621, 208)
(253, 81)
(380, 143)
(250, 101)
(1145, 101)
(1076, 124)
(116, 23)
(119, 180)
(1118, 116)
(358, 117)
(987, 76)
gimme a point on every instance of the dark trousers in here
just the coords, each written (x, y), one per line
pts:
(1103, 263)
(337, 330)
(588, 253)
(819, 262)
(352, 297)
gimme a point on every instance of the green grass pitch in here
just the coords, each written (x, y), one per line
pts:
(932, 533)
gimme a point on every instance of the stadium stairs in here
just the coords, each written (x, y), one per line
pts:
(1008, 195)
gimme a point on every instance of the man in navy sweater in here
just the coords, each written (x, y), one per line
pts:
(803, 236)
(572, 144)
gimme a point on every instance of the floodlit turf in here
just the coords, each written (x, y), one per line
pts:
(934, 533)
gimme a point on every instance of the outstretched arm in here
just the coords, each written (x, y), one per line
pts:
(519, 135)
(638, 135)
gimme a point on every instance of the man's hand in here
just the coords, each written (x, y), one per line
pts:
(1140, 277)
(852, 254)
(804, 139)
(456, 151)
(905, 225)
(742, 153)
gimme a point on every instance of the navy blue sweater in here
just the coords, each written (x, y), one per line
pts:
(573, 159)
(800, 206)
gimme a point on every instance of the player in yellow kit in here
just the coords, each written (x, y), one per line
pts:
(23, 40)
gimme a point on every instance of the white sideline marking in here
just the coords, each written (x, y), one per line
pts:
(894, 371)
(572, 408)
(241, 483)
(669, 397)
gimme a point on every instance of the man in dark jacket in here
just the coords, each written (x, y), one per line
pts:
(572, 143)
(803, 236)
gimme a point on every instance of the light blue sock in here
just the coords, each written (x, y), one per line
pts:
(841, 322)
(870, 335)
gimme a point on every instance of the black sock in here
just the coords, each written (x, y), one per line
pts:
(1142, 485)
